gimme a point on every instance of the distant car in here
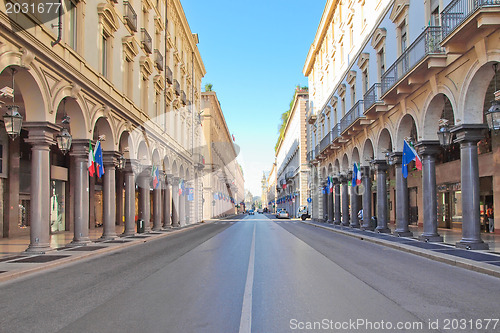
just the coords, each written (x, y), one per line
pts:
(250, 212)
(282, 214)
(260, 211)
(303, 213)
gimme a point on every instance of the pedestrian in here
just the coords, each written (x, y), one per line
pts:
(360, 215)
(491, 219)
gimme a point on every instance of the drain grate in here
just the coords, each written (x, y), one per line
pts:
(87, 248)
(11, 258)
(471, 255)
(40, 259)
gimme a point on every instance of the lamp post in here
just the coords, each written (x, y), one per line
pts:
(13, 120)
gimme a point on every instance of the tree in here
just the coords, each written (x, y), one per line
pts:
(208, 87)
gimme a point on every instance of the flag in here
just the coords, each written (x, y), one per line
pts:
(90, 163)
(233, 137)
(409, 154)
(356, 176)
(181, 187)
(328, 183)
(99, 164)
(156, 176)
(331, 184)
(284, 186)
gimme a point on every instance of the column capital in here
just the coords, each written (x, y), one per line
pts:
(41, 133)
(79, 148)
(380, 165)
(397, 157)
(336, 179)
(110, 158)
(175, 181)
(469, 132)
(428, 147)
(343, 177)
(365, 171)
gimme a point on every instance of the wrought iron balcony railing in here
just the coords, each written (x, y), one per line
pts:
(335, 132)
(158, 60)
(169, 75)
(310, 156)
(427, 43)
(325, 141)
(130, 16)
(316, 150)
(146, 40)
(372, 96)
(350, 117)
(177, 88)
(459, 10)
(289, 175)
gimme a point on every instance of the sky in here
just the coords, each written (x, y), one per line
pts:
(254, 53)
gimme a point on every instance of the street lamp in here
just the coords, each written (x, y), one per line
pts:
(13, 119)
(121, 162)
(64, 138)
(444, 134)
(493, 113)
(389, 158)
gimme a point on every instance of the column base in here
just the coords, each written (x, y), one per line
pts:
(355, 225)
(38, 249)
(157, 229)
(369, 228)
(128, 233)
(108, 237)
(402, 233)
(431, 238)
(329, 221)
(344, 224)
(472, 245)
(383, 230)
(336, 222)
(80, 242)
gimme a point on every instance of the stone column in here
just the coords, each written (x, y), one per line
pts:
(109, 195)
(381, 167)
(175, 201)
(468, 135)
(41, 138)
(167, 200)
(354, 206)
(157, 205)
(337, 211)
(143, 182)
(80, 184)
(330, 205)
(402, 215)
(129, 178)
(367, 198)
(345, 200)
(182, 208)
(428, 151)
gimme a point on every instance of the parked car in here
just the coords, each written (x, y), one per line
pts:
(282, 214)
(304, 213)
(250, 212)
(260, 211)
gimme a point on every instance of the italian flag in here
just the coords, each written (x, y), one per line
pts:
(90, 163)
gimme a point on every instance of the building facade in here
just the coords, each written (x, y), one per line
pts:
(382, 72)
(223, 183)
(272, 190)
(291, 158)
(126, 78)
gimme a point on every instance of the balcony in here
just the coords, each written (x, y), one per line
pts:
(183, 97)
(316, 151)
(325, 142)
(351, 117)
(372, 98)
(464, 14)
(199, 161)
(310, 156)
(158, 60)
(169, 75)
(177, 88)
(130, 16)
(289, 175)
(423, 47)
(335, 132)
(146, 41)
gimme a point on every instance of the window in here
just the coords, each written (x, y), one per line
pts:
(404, 42)
(365, 81)
(353, 94)
(128, 77)
(104, 56)
(381, 62)
(435, 20)
(342, 105)
(73, 26)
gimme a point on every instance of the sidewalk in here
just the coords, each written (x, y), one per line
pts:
(487, 261)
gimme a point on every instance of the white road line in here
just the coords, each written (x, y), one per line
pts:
(246, 310)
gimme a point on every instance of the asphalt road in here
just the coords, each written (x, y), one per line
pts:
(253, 275)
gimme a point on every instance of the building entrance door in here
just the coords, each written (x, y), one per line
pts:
(57, 205)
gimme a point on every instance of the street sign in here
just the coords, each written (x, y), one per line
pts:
(309, 200)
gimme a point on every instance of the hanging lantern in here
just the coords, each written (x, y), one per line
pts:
(13, 121)
(121, 162)
(64, 140)
(445, 136)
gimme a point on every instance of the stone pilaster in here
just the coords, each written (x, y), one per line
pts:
(367, 198)
(175, 201)
(129, 177)
(381, 169)
(345, 200)
(167, 201)
(143, 182)
(110, 160)
(337, 211)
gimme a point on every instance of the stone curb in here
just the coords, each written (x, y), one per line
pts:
(441, 257)
(7, 276)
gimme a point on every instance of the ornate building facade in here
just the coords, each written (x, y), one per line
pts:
(291, 163)
(381, 72)
(223, 183)
(126, 76)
